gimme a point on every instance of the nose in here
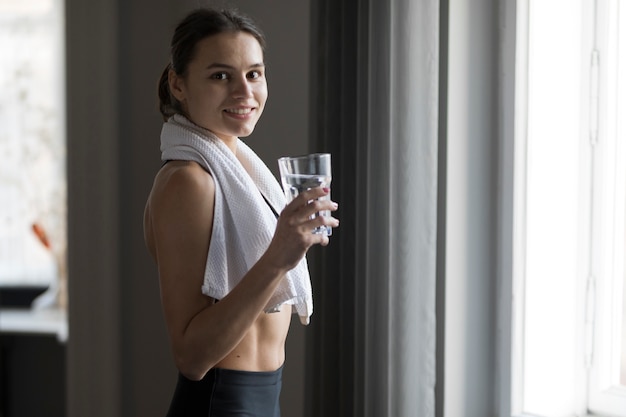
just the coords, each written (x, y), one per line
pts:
(241, 87)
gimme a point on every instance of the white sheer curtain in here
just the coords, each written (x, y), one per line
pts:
(375, 89)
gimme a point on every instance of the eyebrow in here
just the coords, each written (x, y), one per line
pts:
(219, 65)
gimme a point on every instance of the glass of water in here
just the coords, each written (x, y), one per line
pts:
(301, 173)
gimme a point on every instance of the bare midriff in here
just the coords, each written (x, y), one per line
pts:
(263, 347)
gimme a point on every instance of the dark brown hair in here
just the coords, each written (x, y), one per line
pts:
(196, 26)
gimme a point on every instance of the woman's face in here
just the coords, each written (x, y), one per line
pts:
(224, 89)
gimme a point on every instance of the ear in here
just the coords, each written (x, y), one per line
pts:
(176, 84)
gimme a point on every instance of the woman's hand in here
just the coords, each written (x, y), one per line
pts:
(294, 231)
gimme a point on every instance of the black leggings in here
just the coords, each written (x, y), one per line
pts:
(228, 393)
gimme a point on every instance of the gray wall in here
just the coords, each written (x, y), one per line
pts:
(118, 357)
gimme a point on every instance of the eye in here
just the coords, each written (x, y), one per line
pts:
(219, 76)
(255, 74)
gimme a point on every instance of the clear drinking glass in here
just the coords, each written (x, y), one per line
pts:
(301, 173)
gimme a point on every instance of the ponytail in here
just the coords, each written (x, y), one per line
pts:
(168, 105)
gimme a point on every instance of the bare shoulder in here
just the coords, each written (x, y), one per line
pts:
(182, 196)
(181, 178)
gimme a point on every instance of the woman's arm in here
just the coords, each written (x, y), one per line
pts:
(180, 217)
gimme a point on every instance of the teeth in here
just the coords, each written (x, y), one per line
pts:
(239, 111)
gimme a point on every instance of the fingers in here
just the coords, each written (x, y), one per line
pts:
(311, 209)
(312, 200)
(294, 233)
(317, 216)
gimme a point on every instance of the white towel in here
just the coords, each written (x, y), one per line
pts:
(243, 224)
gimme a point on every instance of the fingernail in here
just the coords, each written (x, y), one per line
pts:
(326, 189)
(335, 205)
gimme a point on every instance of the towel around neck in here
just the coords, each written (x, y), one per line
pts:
(243, 224)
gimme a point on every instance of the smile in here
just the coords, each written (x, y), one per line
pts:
(238, 111)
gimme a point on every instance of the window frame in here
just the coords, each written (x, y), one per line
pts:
(514, 98)
(607, 289)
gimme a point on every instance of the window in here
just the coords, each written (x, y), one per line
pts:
(607, 322)
(32, 142)
(570, 313)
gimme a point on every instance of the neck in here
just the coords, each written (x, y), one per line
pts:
(230, 141)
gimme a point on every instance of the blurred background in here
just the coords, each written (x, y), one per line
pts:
(479, 160)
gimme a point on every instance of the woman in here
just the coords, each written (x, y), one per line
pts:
(231, 269)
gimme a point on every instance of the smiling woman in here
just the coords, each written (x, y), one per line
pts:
(226, 98)
(231, 272)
